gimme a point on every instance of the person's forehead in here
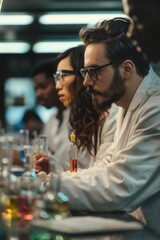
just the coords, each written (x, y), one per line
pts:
(63, 63)
(95, 52)
(41, 77)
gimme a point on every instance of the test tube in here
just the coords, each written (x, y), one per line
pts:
(43, 144)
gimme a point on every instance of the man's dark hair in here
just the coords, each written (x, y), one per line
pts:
(31, 114)
(119, 47)
(48, 67)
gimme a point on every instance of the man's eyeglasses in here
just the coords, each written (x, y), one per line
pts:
(92, 71)
(59, 75)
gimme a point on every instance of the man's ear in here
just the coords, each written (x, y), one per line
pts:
(126, 69)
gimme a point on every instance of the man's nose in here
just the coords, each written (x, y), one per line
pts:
(88, 81)
(38, 92)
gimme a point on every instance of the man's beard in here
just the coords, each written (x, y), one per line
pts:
(113, 94)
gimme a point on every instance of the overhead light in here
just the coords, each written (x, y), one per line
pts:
(14, 47)
(15, 19)
(54, 46)
(76, 17)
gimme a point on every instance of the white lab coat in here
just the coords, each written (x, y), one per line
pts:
(58, 138)
(105, 138)
(60, 144)
(128, 176)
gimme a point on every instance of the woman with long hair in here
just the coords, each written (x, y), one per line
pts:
(93, 130)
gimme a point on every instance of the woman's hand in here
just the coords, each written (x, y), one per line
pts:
(41, 163)
(42, 175)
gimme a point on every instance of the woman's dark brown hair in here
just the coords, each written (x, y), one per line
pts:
(84, 119)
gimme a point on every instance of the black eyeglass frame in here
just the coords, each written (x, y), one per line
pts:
(62, 73)
(88, 70)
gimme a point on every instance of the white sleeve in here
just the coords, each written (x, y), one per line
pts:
(125, 178)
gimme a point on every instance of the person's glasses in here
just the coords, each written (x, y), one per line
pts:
(59, 75)
(92, 71)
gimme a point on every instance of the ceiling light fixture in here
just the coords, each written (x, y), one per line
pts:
(15, 19)
(54, 46)
(77, 17)
(14, 47)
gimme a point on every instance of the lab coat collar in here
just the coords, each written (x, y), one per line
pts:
(147, 86)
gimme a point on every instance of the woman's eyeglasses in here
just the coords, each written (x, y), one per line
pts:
(92, 71)
(59, 75)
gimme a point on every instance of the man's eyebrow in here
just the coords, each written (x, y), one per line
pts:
(92, 65)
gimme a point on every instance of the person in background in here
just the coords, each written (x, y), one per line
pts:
(56, 129)
(146, 17)
(93, 130)
(127, 177)
(33, 123)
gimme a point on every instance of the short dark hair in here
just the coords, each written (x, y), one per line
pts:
(48, 67)
(119, 47)
(31, 114)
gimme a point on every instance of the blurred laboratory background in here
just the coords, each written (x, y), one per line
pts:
(36, 30)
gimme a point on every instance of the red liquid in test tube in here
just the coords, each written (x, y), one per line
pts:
(73, 165)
